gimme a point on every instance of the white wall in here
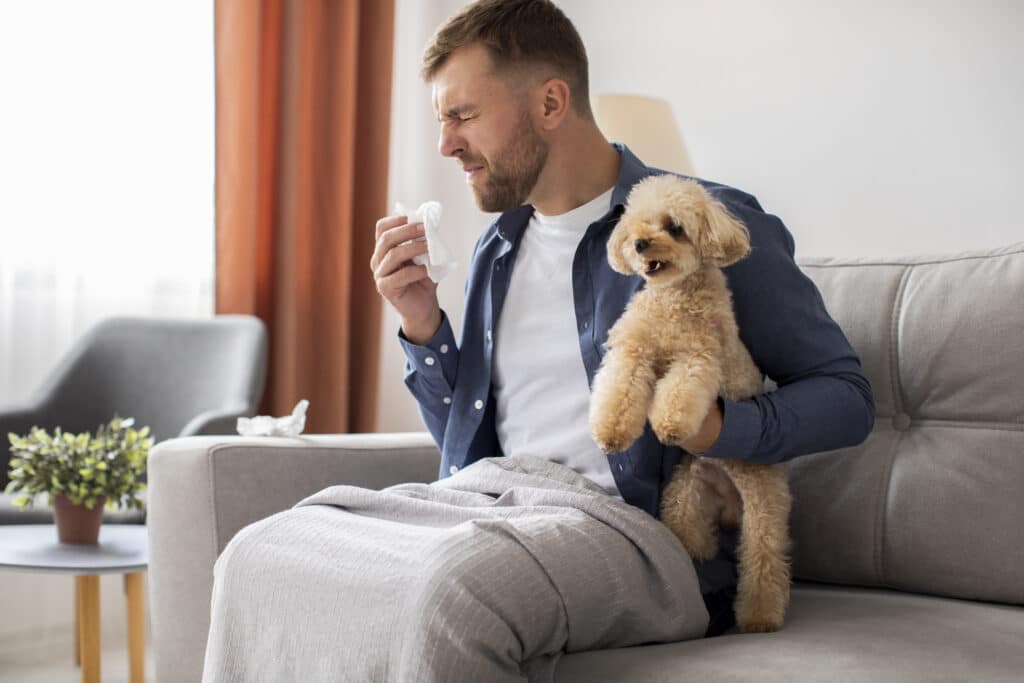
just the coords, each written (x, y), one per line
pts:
(870, 128)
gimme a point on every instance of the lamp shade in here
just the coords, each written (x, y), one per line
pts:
(646, 125)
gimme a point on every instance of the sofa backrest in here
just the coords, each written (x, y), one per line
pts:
(933, 500)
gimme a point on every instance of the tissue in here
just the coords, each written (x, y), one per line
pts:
(265, 425)
(438, 258)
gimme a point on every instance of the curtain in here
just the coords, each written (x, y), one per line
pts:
(303, 92)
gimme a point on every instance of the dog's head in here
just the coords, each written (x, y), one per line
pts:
(671, 228)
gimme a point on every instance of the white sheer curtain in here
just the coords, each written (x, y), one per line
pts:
(106, 172)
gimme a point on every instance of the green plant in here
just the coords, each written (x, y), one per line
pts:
(84, 467)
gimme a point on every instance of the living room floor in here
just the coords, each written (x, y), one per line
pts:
(60, 669)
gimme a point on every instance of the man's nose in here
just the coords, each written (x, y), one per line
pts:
(641, 245)
(449, 145)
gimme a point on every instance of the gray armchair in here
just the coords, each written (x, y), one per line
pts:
(182, 377)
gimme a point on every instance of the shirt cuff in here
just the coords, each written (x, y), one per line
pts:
(436, 358)
(741, 430)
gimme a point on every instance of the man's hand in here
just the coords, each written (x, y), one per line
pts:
(708, 433)
(405, 285)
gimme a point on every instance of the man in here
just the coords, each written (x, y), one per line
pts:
(510, 90)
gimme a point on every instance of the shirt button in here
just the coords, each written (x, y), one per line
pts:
(429, 360)
(447, 400)
(586, 324)
(453, 469)
(620, 467)
(488, 336)
(479, 404)
(444, 348)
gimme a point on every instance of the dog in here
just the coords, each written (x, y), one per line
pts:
(672, 353)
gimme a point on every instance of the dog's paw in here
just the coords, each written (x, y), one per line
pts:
(758, 626)
(671, 428)
(615, 424)
(612, 439)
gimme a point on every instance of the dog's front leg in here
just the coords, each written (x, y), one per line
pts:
(619, 399)
(683, 397)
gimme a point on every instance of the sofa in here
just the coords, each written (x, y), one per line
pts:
(908, 555)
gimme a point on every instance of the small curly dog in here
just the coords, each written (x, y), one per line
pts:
(674, 350)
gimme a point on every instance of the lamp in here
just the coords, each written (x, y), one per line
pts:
(646, 125)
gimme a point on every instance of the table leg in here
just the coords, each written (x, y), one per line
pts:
(89, 624)
(78, 627)
(133, 587)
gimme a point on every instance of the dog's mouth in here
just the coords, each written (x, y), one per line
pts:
(653, 267)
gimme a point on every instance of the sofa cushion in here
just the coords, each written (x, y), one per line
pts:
(932, 500)
(834, 634)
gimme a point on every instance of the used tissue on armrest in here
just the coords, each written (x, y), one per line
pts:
(265, 425)
(437, 259)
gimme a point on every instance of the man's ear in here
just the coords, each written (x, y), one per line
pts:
(615, 244)
(554, 103)
(724, 239)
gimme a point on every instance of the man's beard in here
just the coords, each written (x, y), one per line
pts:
(513, 175)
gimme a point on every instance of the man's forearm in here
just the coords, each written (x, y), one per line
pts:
(821, 413)
(430, 372)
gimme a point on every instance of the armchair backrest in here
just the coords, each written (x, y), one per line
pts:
(164, 372)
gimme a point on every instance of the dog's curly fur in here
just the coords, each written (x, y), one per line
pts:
(674, 350)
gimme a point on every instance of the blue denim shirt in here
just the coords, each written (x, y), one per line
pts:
(823, 400)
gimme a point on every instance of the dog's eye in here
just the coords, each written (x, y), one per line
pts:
(674, 230)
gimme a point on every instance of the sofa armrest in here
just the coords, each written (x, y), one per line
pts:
(204, 489)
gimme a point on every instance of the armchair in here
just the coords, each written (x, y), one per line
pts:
(179, 376)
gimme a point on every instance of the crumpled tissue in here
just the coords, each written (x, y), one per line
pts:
(438, 258)
(265, 425)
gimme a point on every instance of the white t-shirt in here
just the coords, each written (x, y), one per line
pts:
(540, 384)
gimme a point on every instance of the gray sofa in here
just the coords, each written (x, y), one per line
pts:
(909, 548)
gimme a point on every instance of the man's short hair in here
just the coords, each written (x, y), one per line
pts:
(525, 38)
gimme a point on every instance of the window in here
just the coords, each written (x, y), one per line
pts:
(106, 172)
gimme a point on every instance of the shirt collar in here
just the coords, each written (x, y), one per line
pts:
(512, 223)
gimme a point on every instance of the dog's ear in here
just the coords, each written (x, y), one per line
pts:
(724, 239)
(616, 242)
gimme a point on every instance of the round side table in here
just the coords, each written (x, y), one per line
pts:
(122, 549)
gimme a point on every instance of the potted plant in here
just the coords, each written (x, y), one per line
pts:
(82, 473)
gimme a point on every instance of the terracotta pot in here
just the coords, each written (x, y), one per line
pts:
(77, 523)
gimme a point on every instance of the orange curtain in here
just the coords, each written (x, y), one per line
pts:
(303, 92)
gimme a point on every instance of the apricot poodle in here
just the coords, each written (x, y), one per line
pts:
(672, 353)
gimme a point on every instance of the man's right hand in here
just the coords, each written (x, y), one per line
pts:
(402, 283)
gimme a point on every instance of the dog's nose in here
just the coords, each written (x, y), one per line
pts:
(641, 245)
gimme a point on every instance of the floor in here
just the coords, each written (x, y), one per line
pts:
(37, 636)
(61, 669)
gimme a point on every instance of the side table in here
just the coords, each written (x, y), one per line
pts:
(122, 549)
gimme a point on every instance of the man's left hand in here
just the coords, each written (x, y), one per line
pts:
(708, 433)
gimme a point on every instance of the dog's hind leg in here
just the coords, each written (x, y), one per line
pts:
(685, 510)
(764, 568)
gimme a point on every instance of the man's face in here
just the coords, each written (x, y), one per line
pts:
(486, 127)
